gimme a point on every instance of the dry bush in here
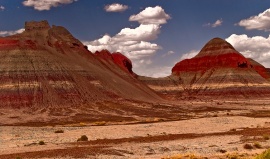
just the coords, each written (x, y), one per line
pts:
(59, 131)
(266, 137)
(83, 138)
(248, 146)
(264, 155)
(41, 143)
(257, 145)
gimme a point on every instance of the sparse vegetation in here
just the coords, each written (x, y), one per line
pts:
(264, 155)
(266, 137)
(41, 143)
(248, 146)
(222, 151)
(100, 123)
(59, 131)
(232, 156)
(184, 156)
(257, 145)
(18, 158)
(83, 138)
(82, 124)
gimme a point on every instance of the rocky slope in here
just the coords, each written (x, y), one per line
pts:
(218, 70)
(46, 67)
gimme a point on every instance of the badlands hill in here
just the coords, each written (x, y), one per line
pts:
(218, 70)
(46, 69)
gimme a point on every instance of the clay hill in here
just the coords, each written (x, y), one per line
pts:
(46, 69)
(218, 70)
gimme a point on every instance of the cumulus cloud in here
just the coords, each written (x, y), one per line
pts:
(151, 15)
(257, 47)
(134, 42)
(215, 24)
(133, 49)
(189, 54)
(115, 7)
(258, 22)
(8, 33)
(2, 8)
(45, 4)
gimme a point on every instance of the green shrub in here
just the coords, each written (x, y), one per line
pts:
(264, 155)
(83, 138)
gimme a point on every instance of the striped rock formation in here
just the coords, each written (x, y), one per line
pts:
(47, 67)
(217, 71)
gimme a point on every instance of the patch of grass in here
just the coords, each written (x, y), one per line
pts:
(83, 138)
(59, 131)
(264, 155)
(266, 137)
(248, 146)
(41, 143)
(257, 145)
(184, 156)
(100, 123)
(82, 124)
(232, 156)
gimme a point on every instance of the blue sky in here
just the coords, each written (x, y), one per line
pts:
(161, 32)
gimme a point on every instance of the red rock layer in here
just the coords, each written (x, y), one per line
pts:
(117, 58)
(123, 62)
(260, 69)
(216, 53)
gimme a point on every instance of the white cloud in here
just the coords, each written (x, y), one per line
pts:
(153, 71)
(257, 47)
(151, 15)
(45, 4)
(116, 7)
(2, 8)
(258, 22)
(168, 53)
(8, 33)
(133, 42)
(216, 24)
(189, 55)
(133, 49)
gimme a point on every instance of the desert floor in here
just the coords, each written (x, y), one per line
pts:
(212, 133)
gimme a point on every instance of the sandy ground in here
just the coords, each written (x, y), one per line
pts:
(212, 129)
(204, 136)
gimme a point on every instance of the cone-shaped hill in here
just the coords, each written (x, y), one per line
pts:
(46, 68)
(217, 70)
